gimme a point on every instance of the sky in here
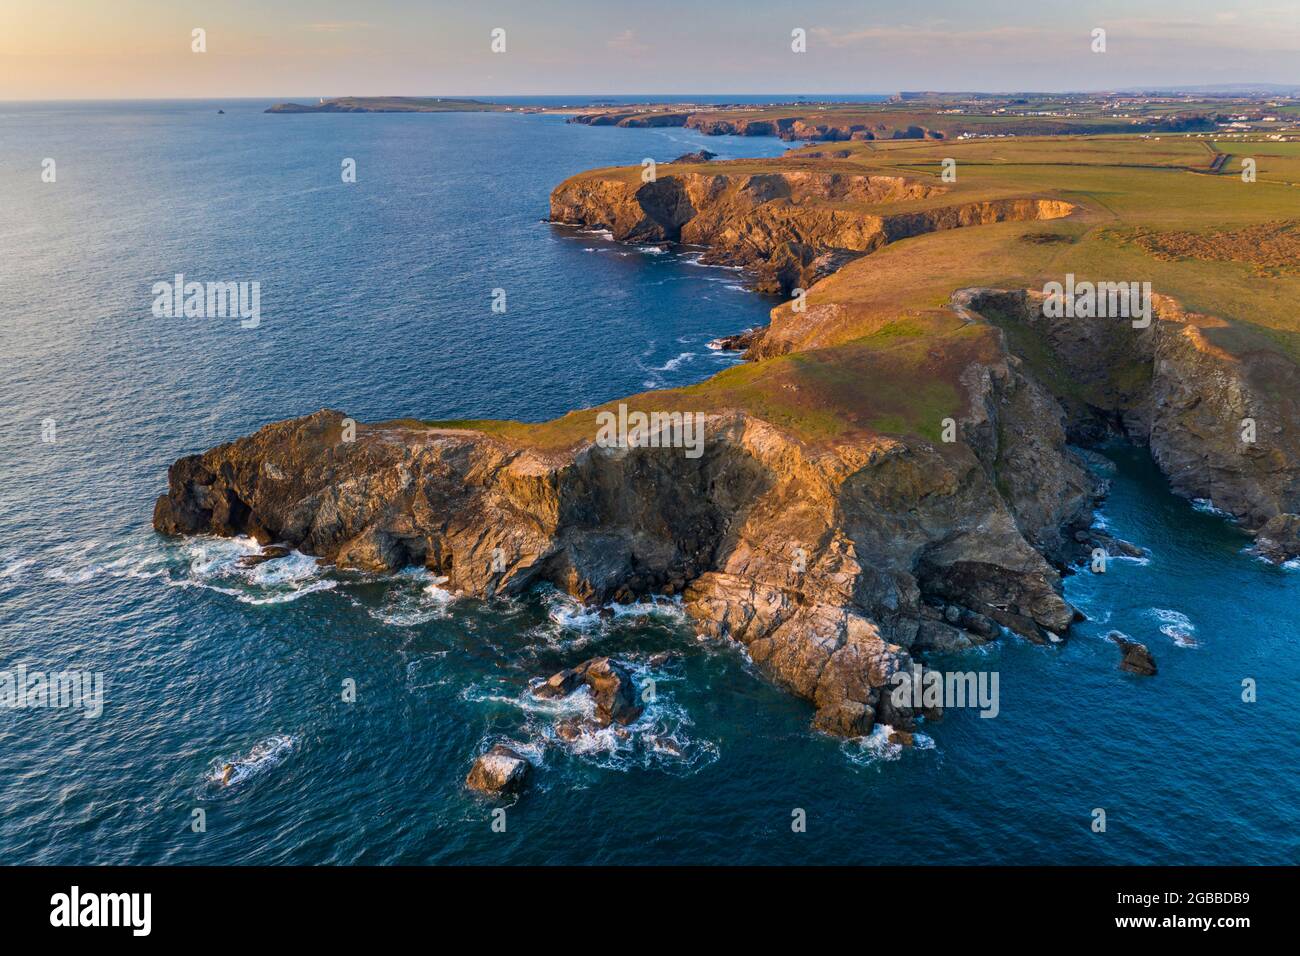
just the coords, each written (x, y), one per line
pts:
(84, 49)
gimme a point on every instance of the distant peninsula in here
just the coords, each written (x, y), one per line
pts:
(392, 104)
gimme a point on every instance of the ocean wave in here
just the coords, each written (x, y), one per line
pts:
(661, 738)
(13, 570)
(1175, 625)
(222, 565)
(877, 747)
(262, 757)
(417, 597)
(1206, 506)
(674, 364)
(84, 561)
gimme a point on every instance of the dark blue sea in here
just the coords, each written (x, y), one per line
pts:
(376, 300)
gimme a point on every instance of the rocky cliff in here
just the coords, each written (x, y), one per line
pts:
(835, 558)
(830, 564)
(789, 228)
(1223, 427)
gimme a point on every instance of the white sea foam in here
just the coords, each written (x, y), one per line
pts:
(876, 747)
(215, 565)
(13, 570)
(660, 738)
(1142, 559)
(417, 597)
(674, 364)
(1175, 625)
(1206, 506)
(263, 756)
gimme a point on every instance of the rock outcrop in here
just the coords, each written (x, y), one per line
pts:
(1137, 659)
(833, 560)
(831, 564)
(499, 772)
(789, 228)
(611, 685)
(1223, 427)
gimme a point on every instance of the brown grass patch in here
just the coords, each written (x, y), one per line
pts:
(1271, 248)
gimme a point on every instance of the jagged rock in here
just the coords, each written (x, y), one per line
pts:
(667, 745)
(736, 343)
(699, 156)
(1279, 538)
(1137, 659)
(500, 771)
(747, 219)
(1116, 547)
(560, 684)
(1171, 386)
(266, 554)
(596, 521)
(611, 686)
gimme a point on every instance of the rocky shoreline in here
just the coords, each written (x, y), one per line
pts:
(833, 563)
(783, 227)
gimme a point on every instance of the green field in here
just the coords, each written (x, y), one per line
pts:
(887, 358)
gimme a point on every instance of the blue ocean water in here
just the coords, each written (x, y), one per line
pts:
(376, 299)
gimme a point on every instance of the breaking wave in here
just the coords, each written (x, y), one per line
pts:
(1176, 625)
(880, 746)
(261, 758)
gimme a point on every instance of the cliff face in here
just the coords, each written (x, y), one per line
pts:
(832, 560)
(844, 123)
(1223, 427)
(789, 228)
(830, 564)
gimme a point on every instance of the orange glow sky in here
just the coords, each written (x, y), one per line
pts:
(58, 49)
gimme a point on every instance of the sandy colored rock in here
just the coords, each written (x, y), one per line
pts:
(499, 772)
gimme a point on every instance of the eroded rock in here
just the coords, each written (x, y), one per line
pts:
(1137, 659)
(499, 772)
(611, 684)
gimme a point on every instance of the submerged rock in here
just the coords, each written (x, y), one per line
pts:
(1137, 659)
(500, 771)
(266, 554)
(669, 745)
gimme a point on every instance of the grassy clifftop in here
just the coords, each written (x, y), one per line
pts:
(879, 347)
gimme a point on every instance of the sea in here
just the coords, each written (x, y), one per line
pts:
(349, 707)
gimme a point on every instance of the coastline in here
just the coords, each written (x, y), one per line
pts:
(1003, 511)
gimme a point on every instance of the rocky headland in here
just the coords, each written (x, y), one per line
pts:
(870, 489)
